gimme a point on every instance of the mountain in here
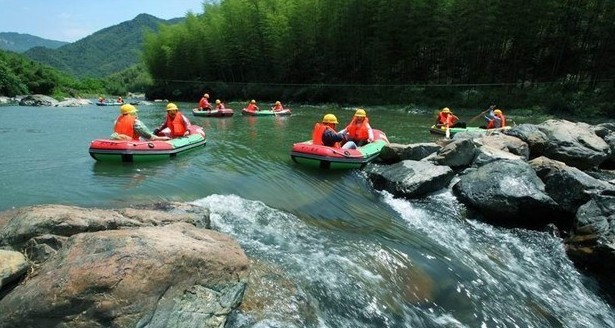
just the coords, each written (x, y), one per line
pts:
(18, 42)
(105, 52)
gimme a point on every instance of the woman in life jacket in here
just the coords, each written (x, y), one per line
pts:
(175, 125)
(128, 127)
(359, 129)
(219, 104)
(324, 134)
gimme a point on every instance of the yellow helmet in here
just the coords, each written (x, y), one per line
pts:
(329, 118)
(497, 112)
(206, 95)
(128, 109)
(253, 101)
(446, 110)
(360, 113)
(278, 102)
(217, 101)
(172, 106)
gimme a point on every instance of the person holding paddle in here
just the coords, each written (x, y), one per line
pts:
(495, 119)
(359, 130)
(447, 119)
(204, 102)
(128, 127)
(277, 106)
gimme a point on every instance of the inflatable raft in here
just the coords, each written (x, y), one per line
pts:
(452, 131)
(325, 157)
(225, 112)
(267, 112)
(109, 150)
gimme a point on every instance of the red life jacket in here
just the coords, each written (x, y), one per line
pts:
(203, 103)
(358, 132)
(176, 125)
(220, 106)
(319, 130)
(446, 120)
(251, 107)
(278, 107)
(491, 124)
(125, 124)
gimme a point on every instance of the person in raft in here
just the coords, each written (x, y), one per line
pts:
(128, 127)
(359, 131)
(277, 106)
(175, 125)
(219, 104)
(204, 102)
(252, 106)
(446, 118)
(495, 119)
(120, 100)
(324, 134)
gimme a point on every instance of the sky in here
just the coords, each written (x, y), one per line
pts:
(71, 20)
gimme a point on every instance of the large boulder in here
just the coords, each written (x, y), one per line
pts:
(575, 144)
(393, 152)
(37, 100)
(170, 276)
(536, 140)
(410, 179)
(458, 153)
(508, 193)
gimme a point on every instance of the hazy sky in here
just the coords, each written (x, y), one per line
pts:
(71, 20)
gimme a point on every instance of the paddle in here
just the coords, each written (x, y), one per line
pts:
(481, 113)
(448, 133)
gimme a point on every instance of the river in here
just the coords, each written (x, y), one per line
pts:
(350, 256)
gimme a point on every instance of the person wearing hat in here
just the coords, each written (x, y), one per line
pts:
(359, 129)
(252, 106)
(324, 134)
(176, 125)
(204, 102)
(219, 104)
(277, 106)
(448, 119)
(495, 119)
(128, 127)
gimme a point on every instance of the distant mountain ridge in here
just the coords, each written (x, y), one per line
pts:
(107, 51)
(21, 42)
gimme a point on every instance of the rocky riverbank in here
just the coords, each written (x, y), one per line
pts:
(75, 267)
(556, 176)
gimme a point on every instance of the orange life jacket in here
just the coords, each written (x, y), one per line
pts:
(125, 125)
(251, 107)
(319, 130)
(203, 103)
(176, 125)
(491, 124)
(358, 132)
(220, 106)
(278, 107)
(446, 120)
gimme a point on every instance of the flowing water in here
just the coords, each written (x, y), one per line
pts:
(327, 249)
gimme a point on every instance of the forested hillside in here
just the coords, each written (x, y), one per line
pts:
(19, 42)
(105, 52)
(394, 50)
(20, 76)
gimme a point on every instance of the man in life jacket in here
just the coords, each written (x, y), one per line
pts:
(495, 119)
(219, 104)
(252, 106)
(324, 134)
(446, 118)
(359, 129)
(175, 125)
(128, 127)
(277, 106)
(204, 102)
